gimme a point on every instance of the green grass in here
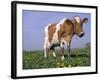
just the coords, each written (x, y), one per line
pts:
(36, 60)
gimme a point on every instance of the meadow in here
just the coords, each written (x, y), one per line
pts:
(35, 60)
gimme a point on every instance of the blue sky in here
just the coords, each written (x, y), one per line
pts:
(34, 22)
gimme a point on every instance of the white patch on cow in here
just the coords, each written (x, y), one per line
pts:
(62, 21)
(62, 41)
(46, 36)
(55, 36)
(77, 18)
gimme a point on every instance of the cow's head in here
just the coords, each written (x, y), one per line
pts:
(78, 23)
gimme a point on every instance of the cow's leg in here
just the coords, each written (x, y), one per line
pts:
(62, 50)
(45, 52)
(45, 47)
(52, 48)
(67, 41)
(68, 46)
(53, 52)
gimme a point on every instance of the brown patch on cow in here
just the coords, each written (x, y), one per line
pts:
(51, 31)
(66, 31)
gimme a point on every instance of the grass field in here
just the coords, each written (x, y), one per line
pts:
(36, 60)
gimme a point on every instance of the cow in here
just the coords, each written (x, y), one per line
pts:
(61, 33)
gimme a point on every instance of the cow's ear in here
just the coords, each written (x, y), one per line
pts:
(85, 20)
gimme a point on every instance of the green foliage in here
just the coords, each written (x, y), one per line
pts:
(36, 60)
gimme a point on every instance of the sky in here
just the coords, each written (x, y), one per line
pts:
(34, 22)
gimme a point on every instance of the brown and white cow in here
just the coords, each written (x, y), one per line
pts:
(61, 33)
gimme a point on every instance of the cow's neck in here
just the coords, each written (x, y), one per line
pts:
(67, 29)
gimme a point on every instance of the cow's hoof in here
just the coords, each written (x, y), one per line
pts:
(62, 58)
(45, 56)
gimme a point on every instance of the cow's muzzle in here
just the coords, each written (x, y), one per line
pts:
(81, 34)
